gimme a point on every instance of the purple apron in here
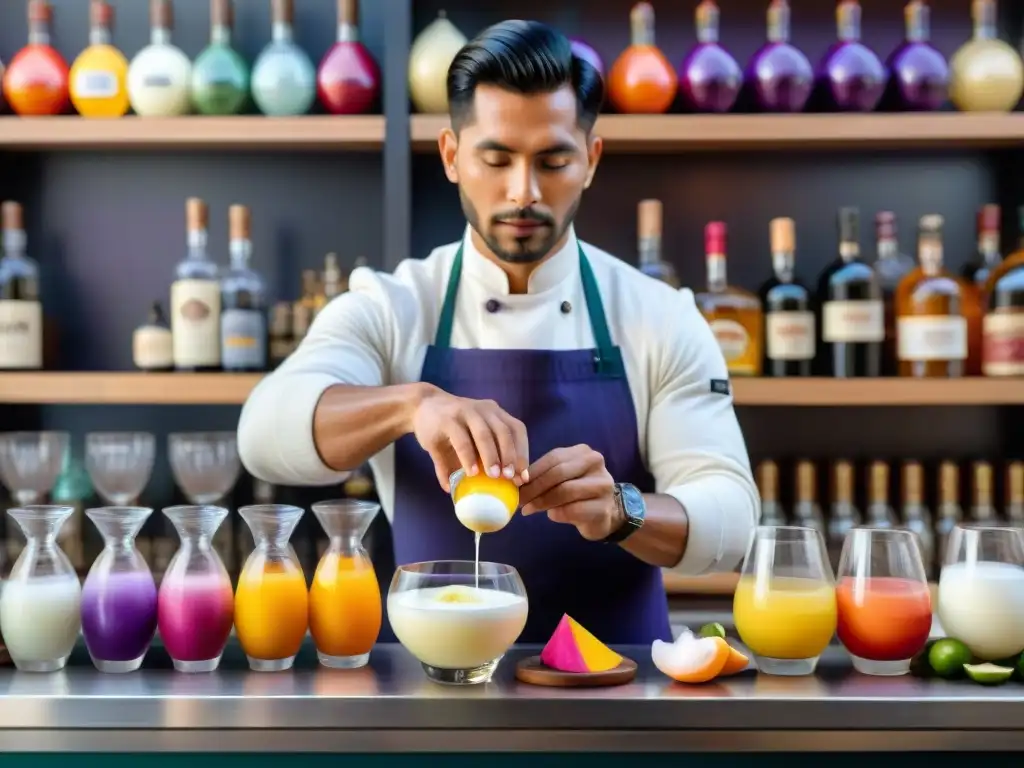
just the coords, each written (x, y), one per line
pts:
(564, 398)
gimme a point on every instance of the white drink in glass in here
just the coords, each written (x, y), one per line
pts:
(41, 617)
(981, 603)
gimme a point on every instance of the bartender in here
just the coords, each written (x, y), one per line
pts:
(521, 351)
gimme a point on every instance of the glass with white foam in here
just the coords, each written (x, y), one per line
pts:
(458, 631)
(981, 590)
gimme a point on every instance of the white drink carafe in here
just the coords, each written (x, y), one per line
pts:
(160, 75)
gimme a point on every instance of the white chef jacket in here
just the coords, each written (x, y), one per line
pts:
(377, 334)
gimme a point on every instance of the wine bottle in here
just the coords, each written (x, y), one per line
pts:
(283, 77)
(36, 80)
(852, 78)
(781, 75)
(99, 76)
(642, 81)
(220, 76)
(152, 343)
(195, 299)
(243, 320)
(975, 275)
(986, 74)
(891, 265)
(709, 78)
(348, 80)
(585, 51)
(1003, 324)
(920, 74)
(649, 226)
(431, 54)
(160, 75)
(21, 313)
(789, 316)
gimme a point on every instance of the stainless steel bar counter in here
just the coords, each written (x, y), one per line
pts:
(390, 706)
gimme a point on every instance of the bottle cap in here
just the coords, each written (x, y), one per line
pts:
(913, 481)
(39, 12)
(1015, 482)
(982, 479)
(849, 224)
(878, 490)
(196, 215)
(842, 479)
(283, 11)
(348, 12)
(885, 225)
(649, 218)
(782, 233)
(949, 482)
(641, 24)
(222, 13)
(239, 222)
(101, 14)
(931, 222)
(988, 218)
(12, 215)
(806, 481)
(715, 238)
(161, 14)
(768, 480)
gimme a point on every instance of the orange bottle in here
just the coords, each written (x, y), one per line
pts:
(642, 81)
(36, 80)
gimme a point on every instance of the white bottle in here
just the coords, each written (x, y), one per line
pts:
(160, 75)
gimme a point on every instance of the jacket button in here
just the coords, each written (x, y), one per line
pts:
(566, 307)
(492, 305)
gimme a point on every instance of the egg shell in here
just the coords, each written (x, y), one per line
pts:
(482, 513)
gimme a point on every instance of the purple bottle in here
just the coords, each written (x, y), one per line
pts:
(588, 54)
(709, 78)
(781, 75)
(920, 74)
(851, 75)
(119, 598)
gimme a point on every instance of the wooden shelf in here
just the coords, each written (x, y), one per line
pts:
(313, 132)
(131, 387)
(647, 133)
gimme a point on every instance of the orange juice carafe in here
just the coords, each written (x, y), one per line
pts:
(642, 81)
(345, 608)
(271, 602)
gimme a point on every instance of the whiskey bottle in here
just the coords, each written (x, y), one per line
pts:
(195, 299)
(280, 333)
(983, 510)
(243, 320)
(852, 308)
(931, 328)
(772, 512)
(975, 275)
(332, 279)
(152, 343)
(789, 317)
(21, 312)
(734, 314)
(313, 298)
(806, 511)
(1015, 493)
(843, 514)
(879, 513)
(649, 227)
(916, 516)
(1003, 325)
(948, 512)
(892, 265)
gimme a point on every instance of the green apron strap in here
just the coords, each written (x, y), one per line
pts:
(443, 337)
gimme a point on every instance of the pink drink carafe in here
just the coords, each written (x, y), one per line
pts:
(348, 79)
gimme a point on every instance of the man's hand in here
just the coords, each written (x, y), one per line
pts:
(574, 487)
(475, 435)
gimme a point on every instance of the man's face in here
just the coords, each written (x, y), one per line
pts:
(521, 164)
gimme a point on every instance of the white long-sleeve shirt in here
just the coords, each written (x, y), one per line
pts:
(377, 334)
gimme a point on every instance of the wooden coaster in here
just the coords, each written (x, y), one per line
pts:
(531, 671)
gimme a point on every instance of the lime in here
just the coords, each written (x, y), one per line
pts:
(988, 674)
(714, 629)
(948, 657)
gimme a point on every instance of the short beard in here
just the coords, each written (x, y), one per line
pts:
(520, 255)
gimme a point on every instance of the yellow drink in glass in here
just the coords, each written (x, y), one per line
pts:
(785, 617)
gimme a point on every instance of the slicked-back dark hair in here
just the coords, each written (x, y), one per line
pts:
(525, 57)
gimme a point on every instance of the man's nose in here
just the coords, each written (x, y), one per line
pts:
(524, 190)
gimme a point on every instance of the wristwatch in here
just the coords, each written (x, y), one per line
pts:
(631, 503)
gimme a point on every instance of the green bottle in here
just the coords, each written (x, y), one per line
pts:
(220, 77)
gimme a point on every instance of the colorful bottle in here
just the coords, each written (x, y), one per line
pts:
(891, 266)
(36, 80)
(790, 334)
(195, 605)
(220, 76)
(21, 312)
(920, 74)
(642, 81)
(431, 54)
(851, 76)
(283, 77)
(99, 76)
(649, 219)
(271, 602)
(345, 610)
(348, 80)
(781, 76)
(195, 298)
(119, 598)
(243, 318)
(986, 73)
(975, 275)
(1003, 325)
(40, 606)
(160, 75)
(709, 78)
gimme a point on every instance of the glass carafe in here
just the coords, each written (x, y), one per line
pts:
(344, 601)
(40, 608)
(196, 604)
(271, 602)
(119, 596)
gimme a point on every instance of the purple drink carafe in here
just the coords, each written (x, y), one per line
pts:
(851, 77)
(919, 74)
(587, 53)
(780, 74)
(119, 598)
(709, 77)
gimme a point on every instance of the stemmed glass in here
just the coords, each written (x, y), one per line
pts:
(981, 590)
(883, 600)
(785, 603)
(30, 463)
(119, 464)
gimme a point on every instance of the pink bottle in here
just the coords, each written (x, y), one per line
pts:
(196, 606)
(348, 79)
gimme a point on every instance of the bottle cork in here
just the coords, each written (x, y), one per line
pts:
(101, 14)
(983, 13)
(806, 482)
(196, 215)
(161, 14)
(1015, 482)
(842, 482)
(239, 222)
(283, 11)
(849, 225)
(641, 24)
(768, 480)
(649, 218)
(982, 476)
(782, 233)
(348, 12)
(913, 482)
(878, 483)
(13, 217)
(715, 238)
(39, 12)
(885, 225)
(222, 13)
(988, 218)
(949, 483)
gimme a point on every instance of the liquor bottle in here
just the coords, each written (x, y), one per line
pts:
(641, 80)
(21, 313)
(947, 513)
(986, 74)
(280, 333)
(920, 74)
(781, 75)
(892, 265)
(789, 316)
(975, 274)
(36, 79)
(709, 77)
(220, 76)
(243, 321)
(333, 280)
(806, 511)
(160, 75)
(313, 297)
(195, 299)
(931, 327)
(302, 318)
(843, 514)
(734, 314)
(348, 79)
(852, 308)
(152, 342)
(283, 77)
(879, 513)
(982, 511)
(649, 224)
(99, 76)
(1003, 324)
(916, 516)
(772, 512)
(431, 54)
(1015, 493)
(851, 76)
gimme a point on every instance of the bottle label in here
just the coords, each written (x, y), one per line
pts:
(243, 342)
(1003, 344)
(931, 337)
(157, 80)
(152, 348)
(734, 342)
(95, 84)
(21, 334)
(790, 335)
(195, 323)
(853, 321)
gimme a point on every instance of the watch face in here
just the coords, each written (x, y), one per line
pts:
(633, 503)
